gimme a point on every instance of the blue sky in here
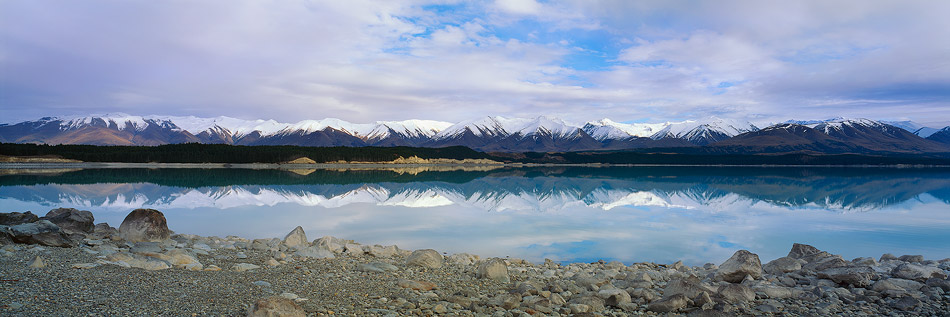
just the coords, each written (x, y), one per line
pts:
(644, 61)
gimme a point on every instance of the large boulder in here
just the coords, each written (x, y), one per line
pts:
(690, 286)
(142, 225)
(669, 304)
(296, 238)
(275, 306)
(800, 251)
(426, 258)
(742, 263)
(736, 293)
(493, 269)
(72, 220)
(16, 218)
(41, 232)
(917, 272)
(330, 243)
(782, 265)
(857, 276)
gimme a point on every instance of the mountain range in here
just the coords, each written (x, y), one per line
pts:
(493, 134)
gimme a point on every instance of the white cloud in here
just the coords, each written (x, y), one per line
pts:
(525, 7)
(367, 60)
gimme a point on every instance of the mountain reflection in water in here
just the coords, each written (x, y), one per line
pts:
(538, 189)
(663, 214)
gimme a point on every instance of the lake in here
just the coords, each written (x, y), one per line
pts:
(567, 214)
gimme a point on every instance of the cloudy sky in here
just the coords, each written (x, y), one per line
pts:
(633, 61)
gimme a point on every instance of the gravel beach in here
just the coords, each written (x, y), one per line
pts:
(143, 269)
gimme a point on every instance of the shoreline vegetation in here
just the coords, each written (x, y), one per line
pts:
(63, 264)
(219, 155)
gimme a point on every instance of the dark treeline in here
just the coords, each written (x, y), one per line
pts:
(221, 153)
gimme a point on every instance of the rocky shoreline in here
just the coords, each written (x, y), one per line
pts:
(63, 264)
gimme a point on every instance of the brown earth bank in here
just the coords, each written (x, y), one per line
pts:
(63, 264)
(36, 159)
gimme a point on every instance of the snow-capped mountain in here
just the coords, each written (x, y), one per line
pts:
(706, 131)
(837, 135)
(914, 127)
(606, 129)
(494, 133)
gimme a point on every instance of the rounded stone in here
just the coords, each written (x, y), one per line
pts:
(494, 269)
(427, 258)
(144, 225)
(742, 263)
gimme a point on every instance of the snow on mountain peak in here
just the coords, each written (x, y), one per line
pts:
(684, 129)
(120, 121)
(605, 129)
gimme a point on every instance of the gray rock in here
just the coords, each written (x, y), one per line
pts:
(639, 280)
(241, 267)
(906, 303)
(782, 265)
(16, 218)
(275, 306)
(777, 292)
(297, 238)
(906, 284)
(71, 220)
(887, 257)
(741, 263)
(614, 297)
(800, 251)
(736, 293)
(427, 258)
(37, 263)
(939, 283)
(595, 303)
(146, 247)
(857, 276)
(917, 272)
(493, 269)
(263, 244)
(353, 249)
(865, 261)
(264, 284)
(383, 251)
(330, 243)
(669, 304)
(824, 263)
(42, 232)
(912, 258)
(506, 301)
(702, 299)
(462, 258)
(315, 253)
(104, 230)
(690, 286)
(143, 225)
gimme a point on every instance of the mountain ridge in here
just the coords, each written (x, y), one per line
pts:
(488, 134)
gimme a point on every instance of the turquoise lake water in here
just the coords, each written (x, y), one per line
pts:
(568, 214)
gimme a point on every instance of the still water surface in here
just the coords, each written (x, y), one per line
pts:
(568, 214)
